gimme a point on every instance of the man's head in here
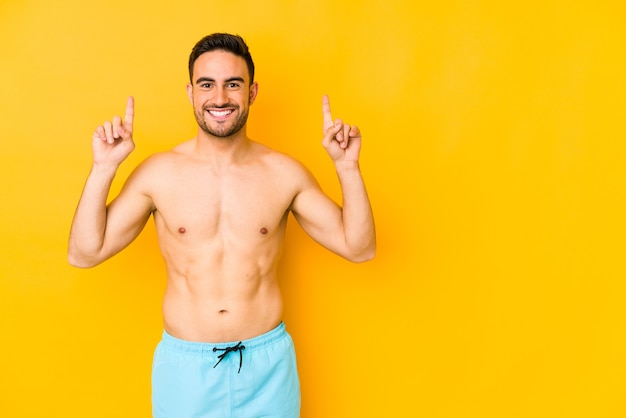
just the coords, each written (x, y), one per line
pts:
(221, 87)
(224, 42)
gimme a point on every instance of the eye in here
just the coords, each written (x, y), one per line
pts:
(206, 85)
(233, 85)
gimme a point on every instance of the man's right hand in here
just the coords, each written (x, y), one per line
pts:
(112, 142)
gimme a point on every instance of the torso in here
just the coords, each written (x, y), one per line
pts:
(221, 235)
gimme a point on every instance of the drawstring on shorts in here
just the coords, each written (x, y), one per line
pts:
(238, 347)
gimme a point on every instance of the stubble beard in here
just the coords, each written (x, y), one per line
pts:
(222, 130)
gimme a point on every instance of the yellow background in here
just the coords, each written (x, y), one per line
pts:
(494, 156)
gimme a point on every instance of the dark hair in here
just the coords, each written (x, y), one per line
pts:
(224, 42)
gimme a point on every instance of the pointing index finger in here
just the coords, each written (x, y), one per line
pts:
(328, 119)
(130, 112)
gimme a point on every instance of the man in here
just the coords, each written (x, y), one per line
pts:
(220, 203)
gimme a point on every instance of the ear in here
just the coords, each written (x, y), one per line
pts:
(190, 92)
(254, 90)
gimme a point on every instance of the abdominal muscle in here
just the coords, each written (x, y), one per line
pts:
(218, 291)
(214, 316)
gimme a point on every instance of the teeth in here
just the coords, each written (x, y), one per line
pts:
(220, 113)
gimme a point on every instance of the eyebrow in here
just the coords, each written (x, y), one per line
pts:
(228, 80)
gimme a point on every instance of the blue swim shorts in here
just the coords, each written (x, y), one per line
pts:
(249, 379)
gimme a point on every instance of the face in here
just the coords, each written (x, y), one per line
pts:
(221, 93)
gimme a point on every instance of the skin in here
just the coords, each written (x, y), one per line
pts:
(220, 203)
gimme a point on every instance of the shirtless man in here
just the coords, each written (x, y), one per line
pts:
(220, 203)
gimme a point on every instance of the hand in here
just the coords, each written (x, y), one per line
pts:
(112, 142)
(342, 141)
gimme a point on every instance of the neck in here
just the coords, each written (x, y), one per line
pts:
(222, 151)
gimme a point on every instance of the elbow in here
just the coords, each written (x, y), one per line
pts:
(363, 256)
(80, 261)
(84, 256)
(363, 249)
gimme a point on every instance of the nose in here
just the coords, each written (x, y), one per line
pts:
(220, 97)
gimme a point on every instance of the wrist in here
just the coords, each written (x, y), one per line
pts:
(347, 166)
(104, 169)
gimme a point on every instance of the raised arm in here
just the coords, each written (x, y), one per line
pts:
(348, 230)
(98, 231)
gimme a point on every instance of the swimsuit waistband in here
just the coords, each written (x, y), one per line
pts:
(176, 344)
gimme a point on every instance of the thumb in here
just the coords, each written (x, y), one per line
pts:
(331, 133)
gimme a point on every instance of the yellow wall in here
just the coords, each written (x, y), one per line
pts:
(494, 152)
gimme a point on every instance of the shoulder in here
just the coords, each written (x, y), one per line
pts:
(152, 164)
(156, 169)
(287, 173)
(165, 160)
(283, 164)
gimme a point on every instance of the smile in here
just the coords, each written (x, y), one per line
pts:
(220, 113)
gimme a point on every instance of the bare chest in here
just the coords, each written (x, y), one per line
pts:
(244, 203)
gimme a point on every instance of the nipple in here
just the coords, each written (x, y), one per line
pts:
(264, 230)
(182, 230)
